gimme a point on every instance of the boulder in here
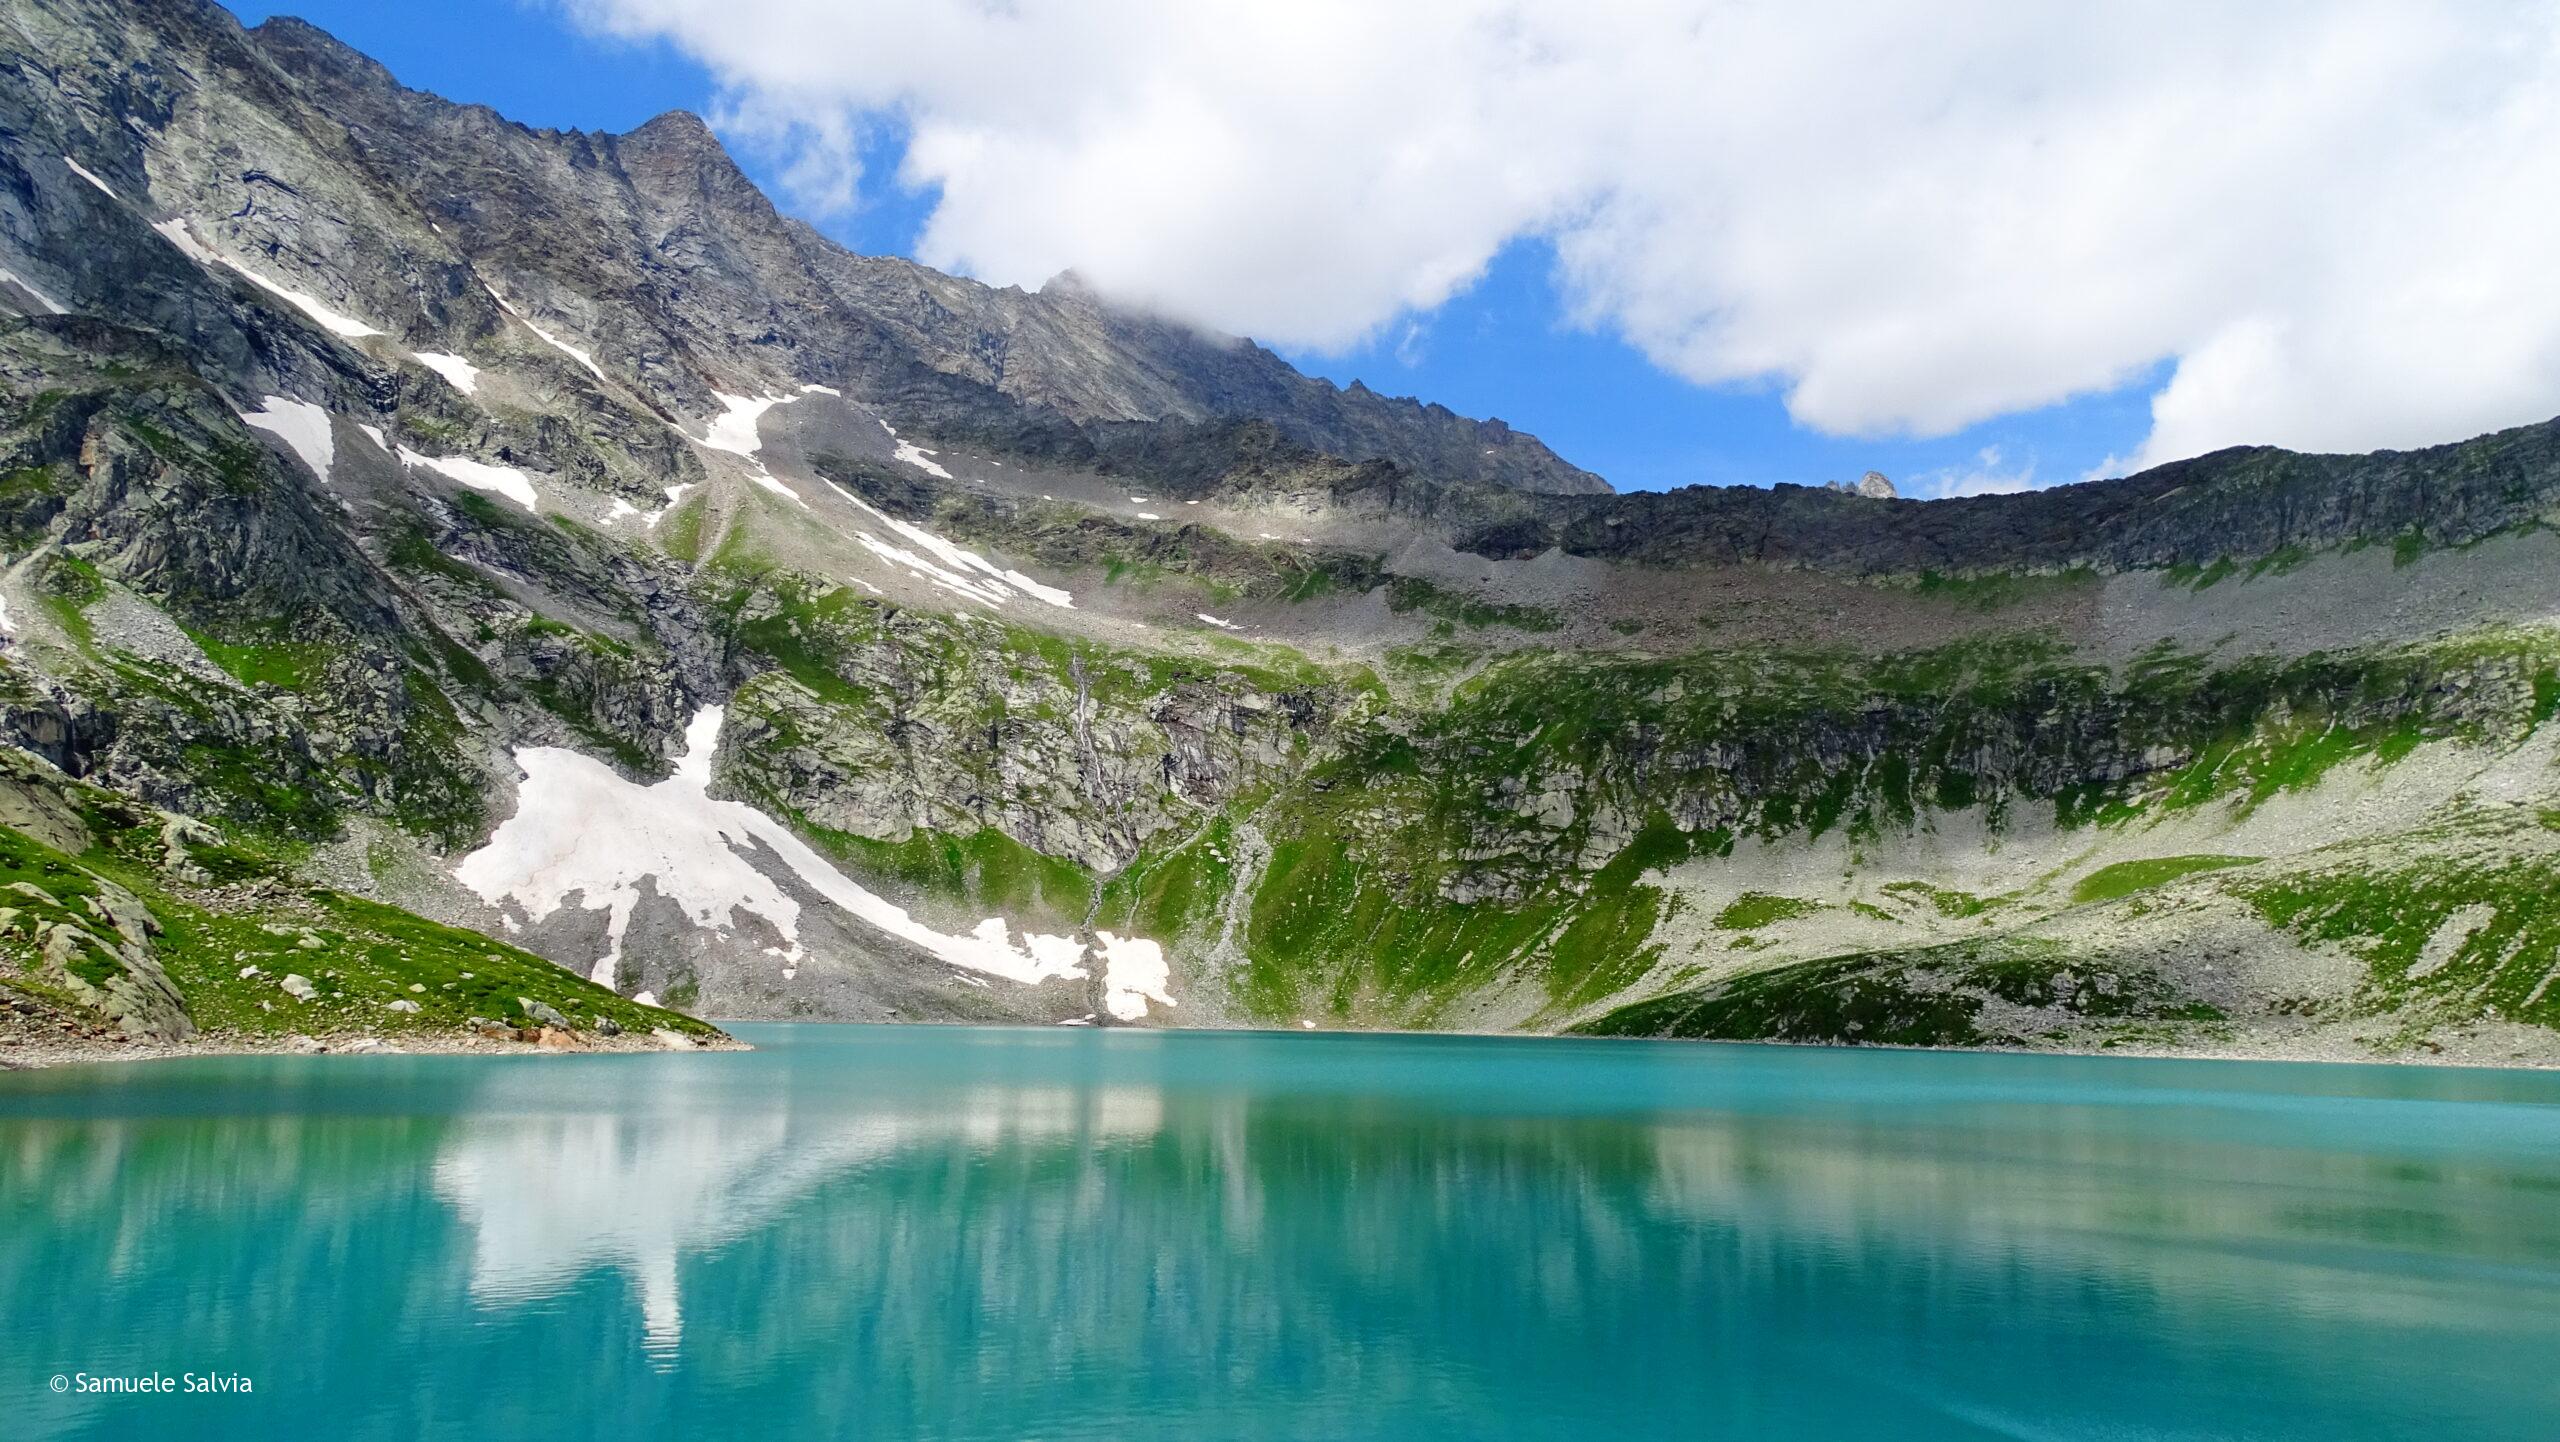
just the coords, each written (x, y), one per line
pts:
(542, 1012)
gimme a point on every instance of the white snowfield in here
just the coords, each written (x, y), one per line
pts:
(460, 373)
(302, 426)
(51, 306)
(84, 173)
(954, 568)
(581, 830)
(916, 455)
(734, 429)
(335, 322)
(1219, 622)
(1134, 972)
(546, 337)
(506, 481)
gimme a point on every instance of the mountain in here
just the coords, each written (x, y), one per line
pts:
(564, 589)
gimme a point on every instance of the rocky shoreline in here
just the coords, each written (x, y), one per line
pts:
(34, 1049)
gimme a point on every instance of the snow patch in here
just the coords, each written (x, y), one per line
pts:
(1215, 621)
(953, 567)
(460, 373)
(581, 830)
(546, 337)
(915, 455)
(83, 172)
(770, 482)
(675, 493)
(374, 434)
(302, 426)
(506, 481)
(619, 509)
(734, 429)
(814, 389)
(1149, 516)
(176, 233)
(51, 306)
(335, 322)
(1134, 972)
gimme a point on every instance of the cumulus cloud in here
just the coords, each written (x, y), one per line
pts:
(2333, 216)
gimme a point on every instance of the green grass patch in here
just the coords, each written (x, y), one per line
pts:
(2464, 931)
(2002, 590)
(679, 532)
(1755, 909)
(1957, 905)
(2108, 883)
(986, 872)
(1412, 593)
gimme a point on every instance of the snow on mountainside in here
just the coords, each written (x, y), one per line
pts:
(580, 831)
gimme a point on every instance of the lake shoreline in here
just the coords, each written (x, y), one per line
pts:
(24, 1052)
(2515, 1048)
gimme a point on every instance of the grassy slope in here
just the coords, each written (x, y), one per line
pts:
(239, 913)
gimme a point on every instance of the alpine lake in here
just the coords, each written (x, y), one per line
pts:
(962, 1233)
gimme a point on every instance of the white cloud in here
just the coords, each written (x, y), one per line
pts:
(2332, 215)
(1989, 475)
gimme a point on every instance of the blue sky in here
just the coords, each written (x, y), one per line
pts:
(1501, 347)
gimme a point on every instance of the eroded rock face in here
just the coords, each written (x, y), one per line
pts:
(98, 948)
(1082, 757)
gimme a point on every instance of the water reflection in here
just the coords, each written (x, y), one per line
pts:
(958, 1234)
(551, 1197)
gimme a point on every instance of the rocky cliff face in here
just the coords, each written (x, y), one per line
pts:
(410, 515)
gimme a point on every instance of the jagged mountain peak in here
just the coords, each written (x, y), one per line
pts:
(603, 218)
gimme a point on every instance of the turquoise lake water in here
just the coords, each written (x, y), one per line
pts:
(965, 1233)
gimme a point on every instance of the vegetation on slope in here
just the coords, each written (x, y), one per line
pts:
(248, 952)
